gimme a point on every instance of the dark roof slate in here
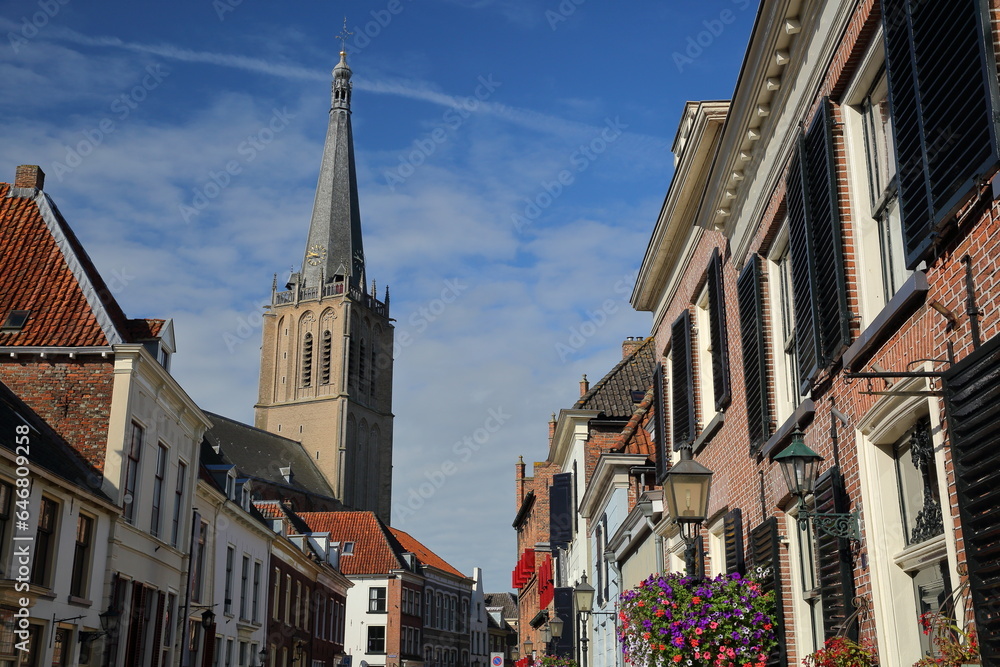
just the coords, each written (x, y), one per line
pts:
(505, 601)
(612, 395)
(261, 455)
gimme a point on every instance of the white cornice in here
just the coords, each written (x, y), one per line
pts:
(809, 47)
(680, 207)
(134, 358)
(570, 423)
(611, 473)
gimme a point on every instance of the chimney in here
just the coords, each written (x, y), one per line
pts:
(584, 385)
(519, 477)
(29, 176)
(552, 428)
(630, 345)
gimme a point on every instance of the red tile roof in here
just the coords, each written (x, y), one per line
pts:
(269, 509)
(375, 549)
(46, 271)
(139, 330)
(423, 554)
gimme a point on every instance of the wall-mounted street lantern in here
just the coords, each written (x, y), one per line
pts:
(798, 467)
(556, 626)
(583, 600)
(686, 488)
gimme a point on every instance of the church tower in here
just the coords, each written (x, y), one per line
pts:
(326, 357)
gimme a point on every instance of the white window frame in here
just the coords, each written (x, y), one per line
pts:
(871, 264)
(782, 315)
(894, 603)
(702, 346)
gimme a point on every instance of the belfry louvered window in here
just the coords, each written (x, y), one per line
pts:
(751, 308)
(307, 360)
(325, 357)
(942, 92)
(717, 332)
(834, 563)
(822, 324)
(362, 366)
(682, 389)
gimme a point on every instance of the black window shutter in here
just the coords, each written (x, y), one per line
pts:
(942, 96)
(833, 558)
(766, 555)
(717, 333)
(732, 528)
(563, 608)
(560, 508)
(748, 292)
(660, 425)
(823, 221)
(972, 397)
(682, 396)
(799, 242)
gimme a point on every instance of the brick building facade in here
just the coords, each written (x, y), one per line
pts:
(843, 247)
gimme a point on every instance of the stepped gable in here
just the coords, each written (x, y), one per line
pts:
(423, 554)
(612, 395)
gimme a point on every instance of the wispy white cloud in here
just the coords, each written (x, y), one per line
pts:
(406, 88)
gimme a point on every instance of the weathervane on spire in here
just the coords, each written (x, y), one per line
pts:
(344, 34)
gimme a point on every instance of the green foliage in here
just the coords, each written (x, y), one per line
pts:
(555, 661)
(951, 645)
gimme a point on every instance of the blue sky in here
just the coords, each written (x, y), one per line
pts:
(512, 155)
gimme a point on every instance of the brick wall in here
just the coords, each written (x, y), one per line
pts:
(72, 395)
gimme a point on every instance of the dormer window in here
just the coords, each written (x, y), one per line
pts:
(15, 321)
(348, 548)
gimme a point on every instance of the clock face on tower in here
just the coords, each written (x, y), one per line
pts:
(316, 254)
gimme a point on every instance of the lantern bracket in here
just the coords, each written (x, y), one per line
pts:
(846, 526)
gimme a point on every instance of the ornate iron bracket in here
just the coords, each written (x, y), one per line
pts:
(847, 526)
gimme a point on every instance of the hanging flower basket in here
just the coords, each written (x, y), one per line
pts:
(843, 652)
(670, 619)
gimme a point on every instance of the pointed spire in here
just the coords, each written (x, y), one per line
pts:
(334, 250)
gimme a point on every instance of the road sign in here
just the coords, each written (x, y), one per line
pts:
(496, 659)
